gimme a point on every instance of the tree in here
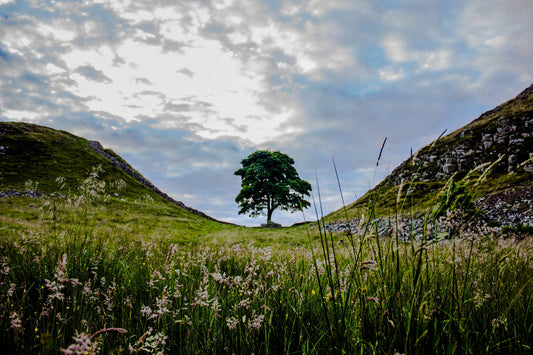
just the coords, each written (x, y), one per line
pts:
(270, 181)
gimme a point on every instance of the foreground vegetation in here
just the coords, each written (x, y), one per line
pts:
(81, 288)
(95, 271)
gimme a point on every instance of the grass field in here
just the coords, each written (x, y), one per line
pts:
(79, 277)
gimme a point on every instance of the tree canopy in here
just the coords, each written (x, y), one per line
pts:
(270, 181)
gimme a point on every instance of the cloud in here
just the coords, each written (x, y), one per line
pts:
(186, 71)
(92, 74)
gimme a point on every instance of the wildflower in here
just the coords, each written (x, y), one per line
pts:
(215, 306)
(127, 303)
(4, 271)
(497, 322)
(232, 322)
(162, 304)
(267, 254)
(11, 290)
(16, 323)
(220, 278)
(156, 277)
(146, 311)
(237, 280)
(55, 290)
(154, 344)
(83, 345)
(87, 288)
(245, 303)
(256, 322)
(60, 279)
(202, 297)
(313, 292)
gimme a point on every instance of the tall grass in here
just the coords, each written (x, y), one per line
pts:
(472, 295)
(79, 289)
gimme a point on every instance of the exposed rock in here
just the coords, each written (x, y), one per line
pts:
(508, 208)
(28, 193)
(449, 168)
(270, 225)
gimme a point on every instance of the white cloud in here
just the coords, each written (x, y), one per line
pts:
(437, 60)
(60, 30)
(396, 49)
(21, 115)
(391, 74)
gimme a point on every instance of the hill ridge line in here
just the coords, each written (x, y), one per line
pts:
(124, 166)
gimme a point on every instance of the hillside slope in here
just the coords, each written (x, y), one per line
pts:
(498, 144)
(33, 157)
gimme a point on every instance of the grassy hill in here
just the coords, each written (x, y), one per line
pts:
(42, 167)
(492, 155)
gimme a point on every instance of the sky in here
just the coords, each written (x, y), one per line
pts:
(184, 90)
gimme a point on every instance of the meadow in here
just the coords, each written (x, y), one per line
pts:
(77, 281)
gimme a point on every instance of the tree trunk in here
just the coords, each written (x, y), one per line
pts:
(270, 209)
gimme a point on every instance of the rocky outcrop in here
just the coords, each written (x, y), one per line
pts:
(508, 140)
(271, 225)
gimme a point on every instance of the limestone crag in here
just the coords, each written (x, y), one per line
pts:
(509, 140)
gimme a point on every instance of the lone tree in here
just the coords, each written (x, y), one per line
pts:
(270, 181)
